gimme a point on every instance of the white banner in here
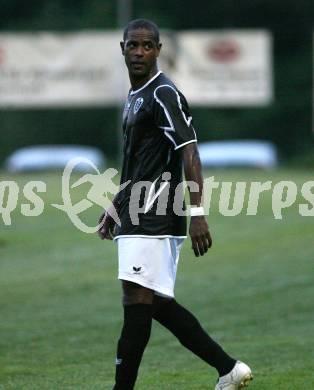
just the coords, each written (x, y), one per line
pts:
(61, 69)
(231, 68)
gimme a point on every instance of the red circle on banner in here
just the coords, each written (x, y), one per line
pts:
(224, 50)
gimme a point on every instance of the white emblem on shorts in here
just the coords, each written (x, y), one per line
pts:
(137, 104)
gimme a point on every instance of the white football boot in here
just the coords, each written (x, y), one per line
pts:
(239, 377)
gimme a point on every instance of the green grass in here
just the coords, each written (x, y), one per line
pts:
(60, 312)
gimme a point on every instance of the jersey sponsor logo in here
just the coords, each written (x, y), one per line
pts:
(137, 105)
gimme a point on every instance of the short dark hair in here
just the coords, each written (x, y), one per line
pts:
(142, 23)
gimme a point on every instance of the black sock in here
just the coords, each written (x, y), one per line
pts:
(133, 340)
(190, 333)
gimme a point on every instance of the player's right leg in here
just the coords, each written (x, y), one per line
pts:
(137, 304)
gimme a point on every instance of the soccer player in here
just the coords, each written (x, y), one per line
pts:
(159, 139)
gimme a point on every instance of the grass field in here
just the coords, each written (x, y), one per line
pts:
(60, 313)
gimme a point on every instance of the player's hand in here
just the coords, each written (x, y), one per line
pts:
(200, 236)
(107, 225)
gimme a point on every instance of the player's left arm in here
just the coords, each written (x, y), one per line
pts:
(199, 232)
(171, 113)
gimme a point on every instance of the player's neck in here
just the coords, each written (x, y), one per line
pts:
(137, 83)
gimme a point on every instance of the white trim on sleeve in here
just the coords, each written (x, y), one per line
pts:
(185, 143)
(171, 127)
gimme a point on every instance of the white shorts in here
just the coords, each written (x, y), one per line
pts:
(150, 262)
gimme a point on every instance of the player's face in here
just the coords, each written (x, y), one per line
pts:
(140, 51)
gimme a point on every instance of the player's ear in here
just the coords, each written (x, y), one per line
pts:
(122, 47)
(159, 48)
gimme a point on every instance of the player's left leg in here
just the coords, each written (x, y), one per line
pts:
(189, 332)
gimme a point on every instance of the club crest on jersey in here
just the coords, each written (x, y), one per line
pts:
(137, 104)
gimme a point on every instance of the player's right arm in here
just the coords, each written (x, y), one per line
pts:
(106, 222)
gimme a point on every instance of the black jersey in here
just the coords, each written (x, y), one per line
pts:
(156, 125)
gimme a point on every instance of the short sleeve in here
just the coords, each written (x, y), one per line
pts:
(171, 114)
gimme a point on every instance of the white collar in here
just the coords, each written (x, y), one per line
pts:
(145, 85)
